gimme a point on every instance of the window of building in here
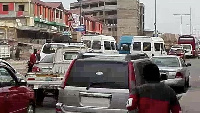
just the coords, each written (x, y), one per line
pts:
(21, 7)
(109, 29)
(5, 7)
(93, 25)
(61, 15)
(57, 15)
(101, 13)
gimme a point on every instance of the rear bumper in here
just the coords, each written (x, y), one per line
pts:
(73, 109)
(175, 82)
(44, 84)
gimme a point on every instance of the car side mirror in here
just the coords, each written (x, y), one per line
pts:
(188, 64)
(22, 82)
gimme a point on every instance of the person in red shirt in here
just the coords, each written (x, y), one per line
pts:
(154, 96)
(32, 60)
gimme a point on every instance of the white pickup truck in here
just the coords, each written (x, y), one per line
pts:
(48, 74)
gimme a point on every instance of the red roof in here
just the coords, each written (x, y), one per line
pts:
(48, 4)
(53, 4)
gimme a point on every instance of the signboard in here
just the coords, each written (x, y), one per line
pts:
(76, 21)
(80, 28)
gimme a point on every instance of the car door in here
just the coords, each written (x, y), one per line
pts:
(2, 100)
(13, 97)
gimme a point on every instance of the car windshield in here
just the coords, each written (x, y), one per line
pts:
(84, 73)
(166, 61)
(47, 59)
(187, 47)
(125, 47)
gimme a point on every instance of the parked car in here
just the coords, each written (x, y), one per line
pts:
(175, 69)
(100, 84)
(19, 75)
(178, 52)
(15, 97)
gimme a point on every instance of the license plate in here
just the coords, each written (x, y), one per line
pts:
(46, 75)
(48, 79)
(35, 86)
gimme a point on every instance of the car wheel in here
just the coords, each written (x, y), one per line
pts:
(30, 108)
(188, 83)
(184, 88)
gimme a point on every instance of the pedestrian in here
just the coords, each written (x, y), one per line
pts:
(32, 60)
(17, 53)
(153, 96)
(38, 55)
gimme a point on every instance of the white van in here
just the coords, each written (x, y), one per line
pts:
(152, 46)
(50, 48)
(100, 43)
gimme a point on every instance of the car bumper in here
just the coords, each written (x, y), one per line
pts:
(60, 108)
(44, 84)
(188, 54)
(175, 82)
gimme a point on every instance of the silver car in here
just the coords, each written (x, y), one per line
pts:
(100, 84)
(174, 71)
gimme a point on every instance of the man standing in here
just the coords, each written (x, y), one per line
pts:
(32, 60)
(154, 96)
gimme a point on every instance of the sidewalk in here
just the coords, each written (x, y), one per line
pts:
(190, 102)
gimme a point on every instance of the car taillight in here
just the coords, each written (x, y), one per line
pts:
(58, 110)
(179, 75)
(131, 74)
(31, 79)
(36, 69)
(67, 74)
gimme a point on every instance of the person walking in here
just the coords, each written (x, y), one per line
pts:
(38, 55)
(32, 60)
(154, 96)
(17, 53)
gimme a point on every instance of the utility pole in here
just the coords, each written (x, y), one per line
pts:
(80, 17)
(181, 25)
(155, 20)
(190, 20)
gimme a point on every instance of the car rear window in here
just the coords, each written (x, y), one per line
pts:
(47, 59)
(70, 55)
(84, 73)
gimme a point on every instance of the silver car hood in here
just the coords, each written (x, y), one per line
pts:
(171, 69)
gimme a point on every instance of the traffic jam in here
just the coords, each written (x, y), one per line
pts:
(96, 74)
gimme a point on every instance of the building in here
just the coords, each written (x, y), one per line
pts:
(34, 21)
(119, 17)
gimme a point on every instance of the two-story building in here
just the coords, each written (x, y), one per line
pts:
(33, 21)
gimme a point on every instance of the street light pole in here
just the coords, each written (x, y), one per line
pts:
(190, 20)
(80, 17)
(182, 21)
(155, 20)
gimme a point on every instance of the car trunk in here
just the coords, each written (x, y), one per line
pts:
(97, 84)
(170, 72)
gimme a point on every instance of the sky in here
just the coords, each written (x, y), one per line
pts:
(166, 21)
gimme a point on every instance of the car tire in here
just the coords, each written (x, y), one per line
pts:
(31, 108)
(183, 88)
(188, 83)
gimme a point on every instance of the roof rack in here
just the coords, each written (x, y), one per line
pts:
(128, 57)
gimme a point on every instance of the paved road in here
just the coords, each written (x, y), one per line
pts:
(190, 102)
